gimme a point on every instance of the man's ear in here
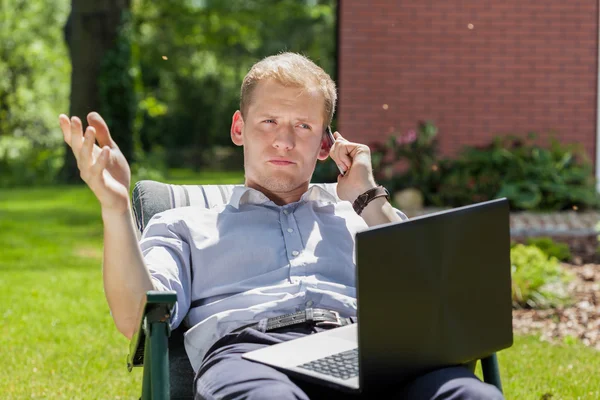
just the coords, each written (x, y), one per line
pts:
(324, 150)
(237, 127)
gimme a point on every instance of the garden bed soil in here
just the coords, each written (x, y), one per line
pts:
(578, 321)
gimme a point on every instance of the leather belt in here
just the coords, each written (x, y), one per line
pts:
(317, 316)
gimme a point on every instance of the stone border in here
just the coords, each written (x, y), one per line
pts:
(526, 223)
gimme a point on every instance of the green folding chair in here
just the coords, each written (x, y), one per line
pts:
(167, 372)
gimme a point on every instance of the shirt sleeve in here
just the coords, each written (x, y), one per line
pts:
(166, 252)
(401, 214)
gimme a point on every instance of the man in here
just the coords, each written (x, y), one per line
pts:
(277, 247)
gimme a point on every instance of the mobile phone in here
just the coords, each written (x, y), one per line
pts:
(330, 140)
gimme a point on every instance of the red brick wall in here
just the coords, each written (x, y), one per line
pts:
(527, 65)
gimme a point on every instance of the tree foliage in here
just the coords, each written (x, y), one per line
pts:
(169, 85)
(34, 89)
(192, 69)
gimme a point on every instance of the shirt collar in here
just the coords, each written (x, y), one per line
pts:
(245, 195)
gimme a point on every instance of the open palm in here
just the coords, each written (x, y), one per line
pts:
(102, 166)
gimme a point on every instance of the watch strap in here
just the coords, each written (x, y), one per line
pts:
(361, 201)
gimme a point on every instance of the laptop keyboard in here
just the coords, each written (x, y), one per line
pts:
(342, 365)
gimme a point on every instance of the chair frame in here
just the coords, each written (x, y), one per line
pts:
(149, 347)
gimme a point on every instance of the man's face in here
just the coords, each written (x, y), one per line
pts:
(282, 134)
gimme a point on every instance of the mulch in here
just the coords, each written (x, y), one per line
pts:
(581, 319)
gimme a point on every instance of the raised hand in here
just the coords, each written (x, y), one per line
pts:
(355, 160)
(101, 166)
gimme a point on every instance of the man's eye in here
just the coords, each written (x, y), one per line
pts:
(269, 121)
(305, 126)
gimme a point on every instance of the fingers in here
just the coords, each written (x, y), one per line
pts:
(100, 164)
(92, 174)
(65, 126)
(340, 152)
(85, 155)
(91, 160)
(76, 135)
(72, 130)
(102, 132)
(342, 159)
(337, 135)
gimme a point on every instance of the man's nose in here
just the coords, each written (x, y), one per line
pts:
(284, 138)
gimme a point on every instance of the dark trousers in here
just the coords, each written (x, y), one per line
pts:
(224, 374)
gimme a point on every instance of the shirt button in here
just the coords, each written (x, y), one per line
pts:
(295, 253)
(290, 230)
(309, 303)
(286, 212)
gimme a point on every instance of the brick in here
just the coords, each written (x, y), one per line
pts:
(525, 66)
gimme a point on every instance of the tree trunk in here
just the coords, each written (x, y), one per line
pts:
(90, 32)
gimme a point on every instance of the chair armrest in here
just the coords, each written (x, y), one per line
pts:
(491, 371)
(157, 307)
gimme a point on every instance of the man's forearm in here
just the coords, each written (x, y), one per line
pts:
(126, 278)
(379, 211)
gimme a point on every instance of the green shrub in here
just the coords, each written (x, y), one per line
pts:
(531, 176)
(415, 151)
(149, 165)
(551, 248)
(26, 162)
(538, 280)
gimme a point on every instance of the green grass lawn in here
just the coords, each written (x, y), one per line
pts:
(58, 340)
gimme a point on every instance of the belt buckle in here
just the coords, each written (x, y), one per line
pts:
(337, 323)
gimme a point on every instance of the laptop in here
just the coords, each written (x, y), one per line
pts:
(432, 291)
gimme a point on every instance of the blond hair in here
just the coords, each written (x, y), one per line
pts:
(290, 69)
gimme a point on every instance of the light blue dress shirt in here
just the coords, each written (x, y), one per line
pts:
(251, 259)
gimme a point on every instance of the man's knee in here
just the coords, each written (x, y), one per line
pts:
(276, 391)
(472, 389)
(252, 390)
(454, 383)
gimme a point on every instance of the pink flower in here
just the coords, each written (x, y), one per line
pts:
(410, 137)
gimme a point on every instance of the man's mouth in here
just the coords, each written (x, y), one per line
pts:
(281, 162)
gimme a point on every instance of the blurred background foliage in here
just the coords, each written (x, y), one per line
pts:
(168, 85)
(530, 175)
(34, 87)
(192, 70)
(166, 77)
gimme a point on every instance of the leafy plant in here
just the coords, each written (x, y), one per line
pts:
(538, 280)
(551, 248)
(415, 152)
(25, 162)
(32, 93)
(193, 56)
(531, 176)
(149, 165)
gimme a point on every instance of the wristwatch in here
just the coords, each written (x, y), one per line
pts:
(361, 201)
